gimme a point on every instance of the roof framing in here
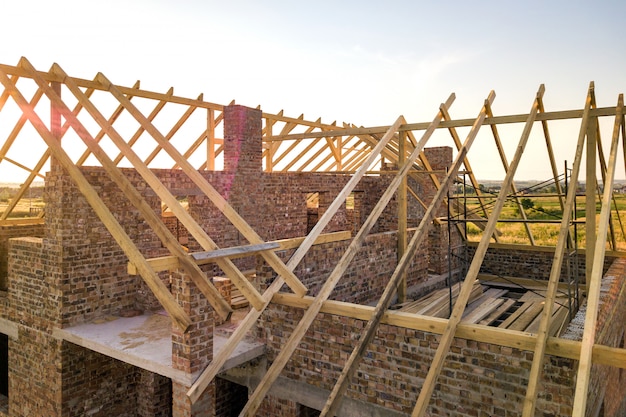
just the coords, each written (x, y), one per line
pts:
(303, 145)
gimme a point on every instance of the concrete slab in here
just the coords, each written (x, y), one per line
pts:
(145, 341)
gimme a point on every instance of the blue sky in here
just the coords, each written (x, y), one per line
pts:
(353, 61)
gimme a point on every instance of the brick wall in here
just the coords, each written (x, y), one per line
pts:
(8, 232)
(230, 398)
(367, 275)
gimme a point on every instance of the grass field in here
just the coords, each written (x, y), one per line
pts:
(549, 209)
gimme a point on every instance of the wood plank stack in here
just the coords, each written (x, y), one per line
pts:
(504, 306)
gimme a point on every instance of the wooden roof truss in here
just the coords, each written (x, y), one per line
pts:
(138, 131)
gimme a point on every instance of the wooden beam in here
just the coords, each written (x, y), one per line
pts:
(590, 195)
(114, 116)
(555, 274)
(562, 348)
(169, 263)
(140, 130)
(246, 250)
(218, 360)
(474, 269)
(225, 208)
(593, 296)
(152, 280)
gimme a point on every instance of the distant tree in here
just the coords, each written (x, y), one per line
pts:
(527, 203)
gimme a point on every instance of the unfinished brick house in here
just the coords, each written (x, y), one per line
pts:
(295, 268)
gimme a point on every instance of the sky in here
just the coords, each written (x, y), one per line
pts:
(363, 62)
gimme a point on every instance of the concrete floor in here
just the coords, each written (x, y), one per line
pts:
(145, 341)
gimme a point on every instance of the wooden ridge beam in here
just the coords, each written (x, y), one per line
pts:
(244, 326)
(517, 118)
(152, 280)
(96, 85)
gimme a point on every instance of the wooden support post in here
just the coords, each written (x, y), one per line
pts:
(218, 360)
(594, 283)
(555, 273)
(126, 244)
(402, 214)
(311, 313)
(590, 198)
(455, 318)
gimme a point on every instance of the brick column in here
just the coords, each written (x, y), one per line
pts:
(243, 166)
(192, 351)
(440, 159)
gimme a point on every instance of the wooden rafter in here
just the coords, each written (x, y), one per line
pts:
(555, 274)
(218, 360)
(114, 116)
(593, 297)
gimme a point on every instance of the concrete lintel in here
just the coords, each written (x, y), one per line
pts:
(9, 328)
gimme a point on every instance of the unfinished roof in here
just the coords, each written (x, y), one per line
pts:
(94, 122)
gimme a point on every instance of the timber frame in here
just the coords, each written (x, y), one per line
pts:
(299, 145)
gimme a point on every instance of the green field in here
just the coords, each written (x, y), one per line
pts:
(547, 209)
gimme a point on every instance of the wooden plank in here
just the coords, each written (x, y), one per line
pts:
(485, 309)
(516, 314)
(245, 250)
(555, 273)
(527, 316)
(170, 263)
(593, 296)
(222, 356)
(474, 269)
(152, 280)
(506, 305)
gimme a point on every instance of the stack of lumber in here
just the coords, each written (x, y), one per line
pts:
(237, 300)
(437, 303)
(498, 306)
